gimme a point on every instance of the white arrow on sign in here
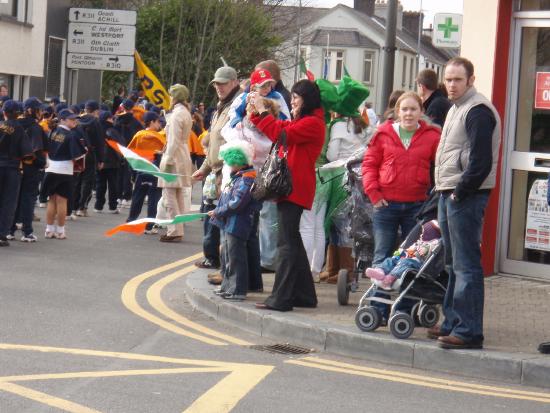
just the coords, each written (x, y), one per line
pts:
(82, 15)
(101, 39)
(100, 62)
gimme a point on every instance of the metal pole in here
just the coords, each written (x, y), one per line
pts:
(389, 51)
(420, 22)
(298, 45)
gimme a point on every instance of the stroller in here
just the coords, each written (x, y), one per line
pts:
(358, 208)
(427, 286)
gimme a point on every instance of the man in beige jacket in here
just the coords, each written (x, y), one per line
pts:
(227, 88)
(176, 196)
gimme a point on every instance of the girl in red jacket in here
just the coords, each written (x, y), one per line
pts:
(305, 137)
(396, 172)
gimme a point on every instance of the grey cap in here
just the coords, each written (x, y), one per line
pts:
(224, 74)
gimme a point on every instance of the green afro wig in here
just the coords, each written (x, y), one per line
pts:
(237, 153)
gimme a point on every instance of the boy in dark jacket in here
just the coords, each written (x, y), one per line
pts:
(237, 216)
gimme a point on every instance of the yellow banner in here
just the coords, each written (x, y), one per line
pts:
(152, 87)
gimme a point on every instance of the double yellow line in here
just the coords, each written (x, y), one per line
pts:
(419, 380)
(183, 326)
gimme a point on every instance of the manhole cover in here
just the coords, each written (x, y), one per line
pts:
(283, 349)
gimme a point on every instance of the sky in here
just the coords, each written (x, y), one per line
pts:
(429, 7)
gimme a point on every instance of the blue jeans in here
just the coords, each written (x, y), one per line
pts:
(10, 179)
(398, 265)
(146, 185)
(211, 239)
(268, 235)
(461, 224)
(386, 222)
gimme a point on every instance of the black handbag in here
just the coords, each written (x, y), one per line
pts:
(274, 179)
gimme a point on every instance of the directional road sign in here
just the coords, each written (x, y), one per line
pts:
(80, 15)
(101, 39)
(100, 62)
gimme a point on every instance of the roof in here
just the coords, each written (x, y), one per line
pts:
(339, 37)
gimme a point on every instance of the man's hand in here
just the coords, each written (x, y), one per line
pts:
(197, 176)
(100, 166)
(381, 203)
(211, 213)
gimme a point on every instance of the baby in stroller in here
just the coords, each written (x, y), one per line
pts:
(388, 275)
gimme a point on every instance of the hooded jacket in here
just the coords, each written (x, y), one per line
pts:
(395, 173)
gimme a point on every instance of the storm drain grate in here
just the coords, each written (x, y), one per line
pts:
(283, 349)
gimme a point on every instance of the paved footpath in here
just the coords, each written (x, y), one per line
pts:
(516, 321)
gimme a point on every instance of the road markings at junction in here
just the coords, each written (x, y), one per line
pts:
(200, 333)
(222, 397)
(419, 380)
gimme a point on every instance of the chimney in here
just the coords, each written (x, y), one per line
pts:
(412, 20)
(381, 10)
(364, 6)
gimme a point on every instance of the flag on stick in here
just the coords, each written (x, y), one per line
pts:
(140, 164)
(152, 87)
(138, 226)
(304, 70)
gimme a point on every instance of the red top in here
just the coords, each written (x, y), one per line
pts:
(395, 173)
(305, 137)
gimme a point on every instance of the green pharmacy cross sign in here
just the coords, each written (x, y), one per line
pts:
(447, 28)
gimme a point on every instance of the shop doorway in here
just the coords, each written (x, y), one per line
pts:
(525, 233)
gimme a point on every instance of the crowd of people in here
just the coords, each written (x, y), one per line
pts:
(442, 137)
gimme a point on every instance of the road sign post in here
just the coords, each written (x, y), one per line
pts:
(101, 39)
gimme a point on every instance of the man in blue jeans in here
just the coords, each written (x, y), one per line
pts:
(465, 172)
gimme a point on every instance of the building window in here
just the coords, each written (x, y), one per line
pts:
(333, 64)
(8, 7)
(368, 59)
(55, 68)
(404, 72)
(20, 9)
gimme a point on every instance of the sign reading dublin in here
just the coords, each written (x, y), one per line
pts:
(447, 30)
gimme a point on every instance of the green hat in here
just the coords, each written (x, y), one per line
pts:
(351, 94)
(329, 96)
(236, 153)
(179, 93)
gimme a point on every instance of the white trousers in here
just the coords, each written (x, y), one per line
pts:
(312, 230)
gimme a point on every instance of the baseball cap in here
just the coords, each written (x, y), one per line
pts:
(10, 106)
(104, 115)
(260, 77)
(91, 105)
(224, 74)
(150, 117)
(60, 106)
(66, 114)
(32, 103)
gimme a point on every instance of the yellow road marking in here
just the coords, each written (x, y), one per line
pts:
(220, 398)
(154, 297)
(421, 381)
(128, 297)
(46, 399)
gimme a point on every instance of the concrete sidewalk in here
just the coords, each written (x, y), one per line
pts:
(516, 321)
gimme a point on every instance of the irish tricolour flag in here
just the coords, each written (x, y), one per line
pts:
(139, 225)
(140, 164)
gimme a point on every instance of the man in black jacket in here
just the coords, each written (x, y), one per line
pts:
(435, 102)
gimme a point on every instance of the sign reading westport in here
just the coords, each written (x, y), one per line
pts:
(101, 39)
(103, 16)
(100, 62)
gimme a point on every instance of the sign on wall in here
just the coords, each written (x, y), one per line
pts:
(542, 90)
(447, 30)
(537, 228)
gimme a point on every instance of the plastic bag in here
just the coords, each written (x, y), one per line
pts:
(209, 190)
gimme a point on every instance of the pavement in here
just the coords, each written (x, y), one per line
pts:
(516, 321)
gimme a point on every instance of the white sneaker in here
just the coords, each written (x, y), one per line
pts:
(81, 213)
(49, 235)
(60, 235)
(73, 217)
(42, 205)
(112, 211)
(152, 231)
(29, 238)
(98, 211)
(10, 237)
(126, 204)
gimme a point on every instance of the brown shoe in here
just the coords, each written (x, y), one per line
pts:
(215, 278)
(333, 279)
(171, 238)
(332, 265)
(456, 343)
(435, 332)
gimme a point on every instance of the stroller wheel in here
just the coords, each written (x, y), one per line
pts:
(343, 287)
(428, 315)
(368, 318)
(401, 325)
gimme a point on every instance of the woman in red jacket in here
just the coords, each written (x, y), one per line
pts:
(396, 172)
(305, 136)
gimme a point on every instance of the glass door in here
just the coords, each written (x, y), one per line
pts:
(525, 231)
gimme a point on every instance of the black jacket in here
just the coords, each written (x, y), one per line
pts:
(127, 126)
(93, 135)
(112, 159)
(436, 107)
(14, 144)
(38, 140)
